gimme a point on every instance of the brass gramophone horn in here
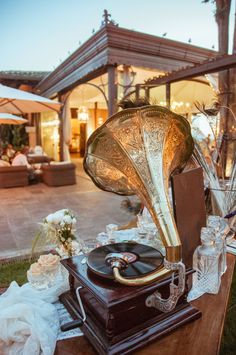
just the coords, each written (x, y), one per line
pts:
(135, 152)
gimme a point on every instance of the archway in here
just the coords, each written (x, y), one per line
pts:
(87, 111)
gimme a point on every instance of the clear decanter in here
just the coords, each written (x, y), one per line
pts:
(206, 262)
(219, 225)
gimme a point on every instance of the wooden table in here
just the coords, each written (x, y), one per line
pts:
(201, 336)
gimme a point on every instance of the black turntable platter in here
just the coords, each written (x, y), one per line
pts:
(144, 259)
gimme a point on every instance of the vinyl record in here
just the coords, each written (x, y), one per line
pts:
(146, 260)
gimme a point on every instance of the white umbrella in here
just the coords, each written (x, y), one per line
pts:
(18, 101)
(7, 118)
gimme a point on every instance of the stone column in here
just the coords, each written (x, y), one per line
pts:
(147, 93)
(37, 120)
(112, 89)
(61, 135)
(137, 92)
(127, 80)
(31, 130)
(168, 96)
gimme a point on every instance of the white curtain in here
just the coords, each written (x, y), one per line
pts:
(66, 117)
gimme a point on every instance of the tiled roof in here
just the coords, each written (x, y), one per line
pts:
(23, 75)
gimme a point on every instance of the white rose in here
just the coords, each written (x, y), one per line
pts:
(49, 218)
(57, 218)
(62, 223)
(36, 269)
(73, 220)
(49, 262)
(67, 219)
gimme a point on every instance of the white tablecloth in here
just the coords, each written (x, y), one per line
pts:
(29, 322)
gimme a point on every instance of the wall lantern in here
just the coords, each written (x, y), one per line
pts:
(83, 114)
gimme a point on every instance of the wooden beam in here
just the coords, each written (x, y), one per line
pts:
(211, 66)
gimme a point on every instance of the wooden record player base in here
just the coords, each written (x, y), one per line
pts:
(133, 340)
(142, 338)
(202, 336)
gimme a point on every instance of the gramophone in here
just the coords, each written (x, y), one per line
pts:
(125, 295)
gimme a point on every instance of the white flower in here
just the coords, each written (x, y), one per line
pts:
(58, 223)
(49, 218)
(57, 217)
(67, 219)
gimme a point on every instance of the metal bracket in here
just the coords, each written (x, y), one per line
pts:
(80, 303)
(166, 305)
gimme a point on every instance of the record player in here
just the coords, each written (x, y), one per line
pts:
(115, 317)
(125, 295)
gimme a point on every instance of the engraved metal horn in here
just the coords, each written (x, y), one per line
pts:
(135, 152)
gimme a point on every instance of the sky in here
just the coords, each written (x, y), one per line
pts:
(40, 34)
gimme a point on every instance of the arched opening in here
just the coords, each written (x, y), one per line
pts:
(87, 111)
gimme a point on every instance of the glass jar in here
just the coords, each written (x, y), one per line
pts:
(206, 262)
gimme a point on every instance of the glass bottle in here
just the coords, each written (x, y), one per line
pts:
(110, 229)
(206, 262)
(217, 223)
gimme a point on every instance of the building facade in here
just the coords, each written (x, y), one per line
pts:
(113, 64)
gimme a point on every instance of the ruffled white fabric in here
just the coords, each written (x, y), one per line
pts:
(28, 321)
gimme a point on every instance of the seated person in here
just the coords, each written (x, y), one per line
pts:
(38, 150)
(4, 155)
(10, 151)
(21, 159)
(4, 163)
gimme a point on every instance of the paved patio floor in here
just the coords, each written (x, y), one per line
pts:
(22, 208)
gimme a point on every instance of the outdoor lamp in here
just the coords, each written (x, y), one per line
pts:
(83, 114)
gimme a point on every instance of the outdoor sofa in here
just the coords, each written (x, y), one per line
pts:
(59, 174)
(13, 176)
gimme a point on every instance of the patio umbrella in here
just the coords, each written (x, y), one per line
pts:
(7, 118)
(18, 101)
